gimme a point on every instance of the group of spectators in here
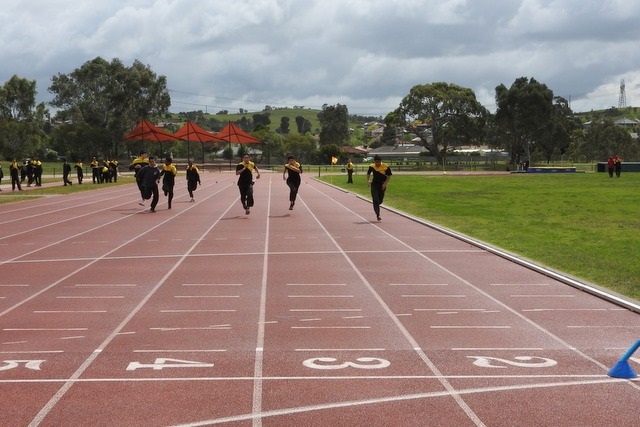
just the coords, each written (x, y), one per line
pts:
(29, 171)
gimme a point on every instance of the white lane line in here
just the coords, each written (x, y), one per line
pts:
(449, 309)
(212, 284)
(103, 285)
(190, 328)
(77, 337)
(33, 352)
(564, 309)
(542, 296)
(68, 311)
(331, 327)
(635, 359)
(181, 351)
(43, 329)
(200, 311)
(316, 284)
(206, 296)
(326, 309)
(258, 363)
(469, 327)
(319, 296)
(90, 297)
(418, 284)
(433, 296)
(604, 327)
(519, 284)
(498, 349)
(14, 286)
(338, 349)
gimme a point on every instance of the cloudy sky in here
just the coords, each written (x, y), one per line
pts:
(365, 54)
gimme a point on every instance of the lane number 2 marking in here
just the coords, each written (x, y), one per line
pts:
(520, 361)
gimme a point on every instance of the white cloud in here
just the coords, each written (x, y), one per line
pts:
(364, 54)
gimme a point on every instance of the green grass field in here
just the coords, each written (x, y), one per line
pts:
(585, 224)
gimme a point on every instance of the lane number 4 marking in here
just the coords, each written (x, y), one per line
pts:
(162, 363)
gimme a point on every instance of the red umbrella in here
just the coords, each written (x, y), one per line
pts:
(191, 132)
(147, 131)
(233, 134)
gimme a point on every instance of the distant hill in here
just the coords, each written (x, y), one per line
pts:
(612, 113)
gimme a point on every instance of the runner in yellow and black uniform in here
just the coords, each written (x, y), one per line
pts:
(381, 175)
(137, 164)
(244, 172)
(168, 174)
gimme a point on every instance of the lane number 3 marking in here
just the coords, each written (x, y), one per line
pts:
(29, 364)
(360, 363)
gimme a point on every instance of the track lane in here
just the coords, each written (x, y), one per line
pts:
(250, 272)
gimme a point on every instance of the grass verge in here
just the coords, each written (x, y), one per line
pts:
(586, 225)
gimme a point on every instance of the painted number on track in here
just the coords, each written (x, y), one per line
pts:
(162, 363)
(29, 364)
(520, 361)
(332, 363)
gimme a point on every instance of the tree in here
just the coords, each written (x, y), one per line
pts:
(303, 124)
(441, 115)
(111, 97)
(302, 147)
(334, 124)
(21, 121)
(284, 126)
(559, 129)
(524, 112)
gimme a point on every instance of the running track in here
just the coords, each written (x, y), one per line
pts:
(202, 315)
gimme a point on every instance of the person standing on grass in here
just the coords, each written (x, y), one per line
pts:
(610, 166)
(349, 168)
(378, 176)
(617, 161)
(14, 170)
(79, 171)
(193, 179)
(148, 178)
(244, 172)
(291, 173)
(66, 170)
(168, 175)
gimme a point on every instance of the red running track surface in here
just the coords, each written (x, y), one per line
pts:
(316, 316)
